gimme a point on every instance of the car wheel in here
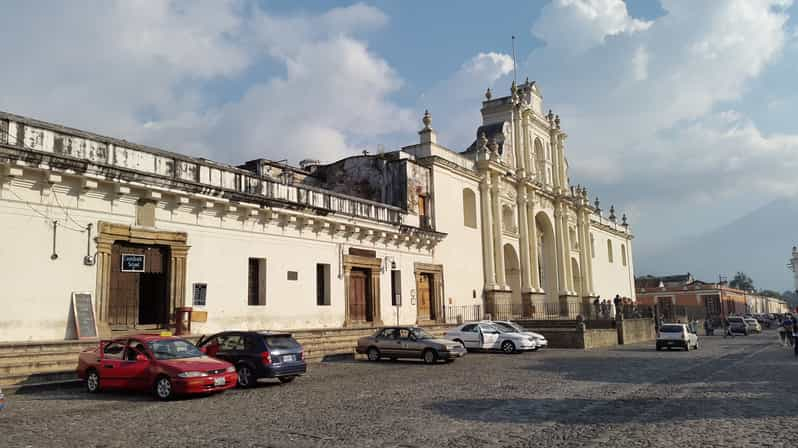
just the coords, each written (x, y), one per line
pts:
(374, 354)
(286, 379)
(659, 348)
(430, 357)
(461, 343)
(687, 346)
(163, 388)
(245, 377)
(508, 347)
(92, 381)
(696, 345)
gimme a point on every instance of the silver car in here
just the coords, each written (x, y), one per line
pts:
(408, 342)
(507, 325)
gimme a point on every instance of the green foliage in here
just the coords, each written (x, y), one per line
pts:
(742, 281)
(770, 293)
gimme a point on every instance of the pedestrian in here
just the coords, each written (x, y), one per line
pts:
(597, 305)
(782, 336)
(795, 339)
(789, 326)
(616, 302)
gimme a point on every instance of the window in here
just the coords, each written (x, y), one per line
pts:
(396, 288)
(592, 246)
(387, 333)
(623, 254)
(200, 293)
(114, 350)
(293, 275)
(322, 284)
(423, 217)
(256, 282)
(609, 250)
(470, 328)
(469, 208)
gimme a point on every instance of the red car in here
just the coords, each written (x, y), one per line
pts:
(165, 365)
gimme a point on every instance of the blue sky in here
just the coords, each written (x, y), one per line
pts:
(679, 112)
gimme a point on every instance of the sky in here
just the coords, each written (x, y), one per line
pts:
(681, 113)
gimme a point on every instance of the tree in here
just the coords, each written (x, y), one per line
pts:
(742, 281)
(770, 293)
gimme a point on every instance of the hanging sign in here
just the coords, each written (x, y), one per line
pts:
(85, 323)
(132, 263)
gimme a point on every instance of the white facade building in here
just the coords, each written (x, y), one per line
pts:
(424, 234)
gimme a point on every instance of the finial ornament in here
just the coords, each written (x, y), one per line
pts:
(488, 94)
(596, 204)
(550, 117)
(427, 120)
(612, 213)
(623, 221)
(557, 121)
(493, 147)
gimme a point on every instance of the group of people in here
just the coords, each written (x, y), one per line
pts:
(608, 309)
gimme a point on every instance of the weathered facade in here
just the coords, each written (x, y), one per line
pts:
(406, 236)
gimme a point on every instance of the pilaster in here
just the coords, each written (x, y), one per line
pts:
(498, 253)
(487, 225)
(523, 228)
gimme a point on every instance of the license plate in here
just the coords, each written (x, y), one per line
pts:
(670, 342)
(288, 358)
(219, 381)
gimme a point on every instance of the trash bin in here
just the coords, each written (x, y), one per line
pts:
(183, 321)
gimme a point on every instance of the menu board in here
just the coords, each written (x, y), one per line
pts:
(85, 324)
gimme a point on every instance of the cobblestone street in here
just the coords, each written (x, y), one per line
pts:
(733, 392)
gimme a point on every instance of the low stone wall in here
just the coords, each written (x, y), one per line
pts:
(636, 330)
(600, 338)
(562, 337)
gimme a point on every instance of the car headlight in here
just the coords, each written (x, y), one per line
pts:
(191, 374)
(230, 369)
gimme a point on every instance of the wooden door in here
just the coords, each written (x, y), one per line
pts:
(123, 303)
(423, 297)
(357, 296)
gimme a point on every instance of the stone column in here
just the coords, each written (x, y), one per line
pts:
(518, 148)
(566, 235)
(498, 252)
(528, 145)
(347, 276)
(103, 290)
(376, 316)
(590, 288)
(523, 228)
(178, 256)
(487, 239)
(533, 246)
(562, 286)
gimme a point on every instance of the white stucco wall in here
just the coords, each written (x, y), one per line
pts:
(460, 252)
(611, 278)
(35, 294)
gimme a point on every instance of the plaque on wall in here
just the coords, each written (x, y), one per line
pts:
(85, 323)
(132, 263)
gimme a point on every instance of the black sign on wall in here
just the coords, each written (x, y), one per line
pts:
(132, 263)
(85, 324)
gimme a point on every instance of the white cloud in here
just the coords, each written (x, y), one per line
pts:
(577, 25)
(640, 64)
(455, 101)
(139, 70)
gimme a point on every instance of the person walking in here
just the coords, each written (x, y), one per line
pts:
(789, 327)
(782, 336)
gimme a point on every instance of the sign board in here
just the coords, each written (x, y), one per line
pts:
(85, 323)
(132, 263)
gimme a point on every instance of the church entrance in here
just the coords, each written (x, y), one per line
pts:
(139, 287)
(425, 297)
(360, 309)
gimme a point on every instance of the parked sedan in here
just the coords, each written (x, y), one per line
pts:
(752, 325)
(738, 325)
(486, 336)
(408, 342)
(167, 366)
(507, 325)
(257, 354)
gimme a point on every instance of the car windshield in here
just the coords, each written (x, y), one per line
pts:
(173, 349)
(671, 329)
(736, 320)
(421, 334)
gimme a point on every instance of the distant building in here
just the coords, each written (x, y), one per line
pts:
(700, 299)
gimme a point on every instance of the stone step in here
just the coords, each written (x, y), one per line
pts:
(31, 366)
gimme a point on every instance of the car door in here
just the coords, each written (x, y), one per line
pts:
(410, 347)
(109, 365)
(469, 334)
(134, 373)
(388, 342)
(489, 337)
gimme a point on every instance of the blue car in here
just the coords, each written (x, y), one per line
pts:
(257, 354)
(2, 400)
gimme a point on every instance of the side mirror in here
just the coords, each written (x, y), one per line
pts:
(140, 357)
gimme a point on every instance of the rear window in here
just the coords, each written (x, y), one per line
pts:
(281, 342)
(735, 320)
(671, 329)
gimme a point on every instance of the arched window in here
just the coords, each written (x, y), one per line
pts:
(508, 219)
(592, 246)
(540, 160)
(609, 250)
(469, 208)
(623, 254)
(572, 237)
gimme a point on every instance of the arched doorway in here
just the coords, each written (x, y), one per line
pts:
(547, 261)
(512, 273)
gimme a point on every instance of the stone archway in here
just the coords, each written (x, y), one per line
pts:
(547, 257)
(512, 273)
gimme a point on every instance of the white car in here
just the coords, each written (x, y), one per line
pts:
(676, 335)
(485, 336)
(507, 325)
(752, 325)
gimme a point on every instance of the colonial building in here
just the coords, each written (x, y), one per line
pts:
(416, 235)
(700, 300)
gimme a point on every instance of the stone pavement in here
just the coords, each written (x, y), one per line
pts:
(732, 393)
